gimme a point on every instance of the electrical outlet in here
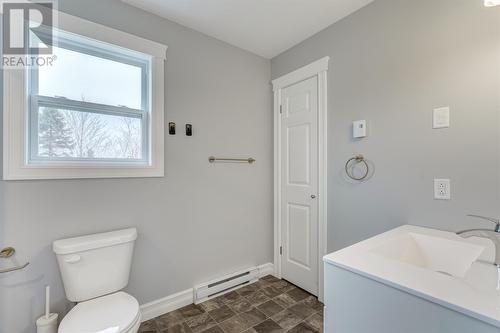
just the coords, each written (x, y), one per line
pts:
(442, 189)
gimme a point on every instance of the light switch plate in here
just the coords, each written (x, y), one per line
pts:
(442, 189)
(441, 118)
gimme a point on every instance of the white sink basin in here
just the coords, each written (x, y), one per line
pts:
(438, 254)
(438, 266)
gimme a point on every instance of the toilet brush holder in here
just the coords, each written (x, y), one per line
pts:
(47, 324)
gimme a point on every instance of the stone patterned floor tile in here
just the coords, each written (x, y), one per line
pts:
(247, 290)
(268, 326)
(234, 324)
(283, 285)
(302, 310)
(313, 303)
(169, 319)
(201, 323)
(270, 278)
(148, 327)
(221, 314)
(262, 284)
(241, 305)
(257, 298)
(177, 328)
(284, 300)
(303, 328)
(250, 330)
(298, 294)
(271, 291)
(191, 311)
(316, 322)
(230, 297)
(253, 317)
(215, 329)
(286, 319)
(270, 308)
(212, 304)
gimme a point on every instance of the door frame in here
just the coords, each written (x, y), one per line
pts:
(317, 69)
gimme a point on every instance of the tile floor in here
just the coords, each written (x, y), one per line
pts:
(269, 305)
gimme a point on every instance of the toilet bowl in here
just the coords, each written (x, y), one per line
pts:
(94, 270)
(115, 313)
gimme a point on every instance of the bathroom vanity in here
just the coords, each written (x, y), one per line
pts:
(413, 280)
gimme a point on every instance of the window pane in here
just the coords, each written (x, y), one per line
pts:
(82, 77)
(67, 134)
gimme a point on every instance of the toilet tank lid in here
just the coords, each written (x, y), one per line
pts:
(95, 241)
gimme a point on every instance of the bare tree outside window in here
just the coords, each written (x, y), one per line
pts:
(88, 133)
(129, 140)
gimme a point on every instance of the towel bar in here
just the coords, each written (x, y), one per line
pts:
(213, 159)
(13, 269)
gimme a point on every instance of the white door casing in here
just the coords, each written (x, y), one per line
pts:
(299, 184)
(300, 126)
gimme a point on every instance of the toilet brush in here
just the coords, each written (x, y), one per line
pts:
(48, 322)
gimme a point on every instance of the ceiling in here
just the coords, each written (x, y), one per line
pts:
(263, 27)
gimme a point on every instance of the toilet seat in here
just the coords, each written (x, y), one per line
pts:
(114, 313)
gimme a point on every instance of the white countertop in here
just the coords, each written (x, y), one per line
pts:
(477, 294)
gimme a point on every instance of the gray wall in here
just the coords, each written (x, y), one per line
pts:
(199, 222)
(391, 63)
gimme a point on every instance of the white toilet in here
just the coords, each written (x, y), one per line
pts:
(94, 269)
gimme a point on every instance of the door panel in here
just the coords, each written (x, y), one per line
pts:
(299, 155)
(298, 103)
(299, 147)
(298, 234)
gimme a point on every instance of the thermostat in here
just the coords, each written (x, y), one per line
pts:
(441, 117)
(359, 129)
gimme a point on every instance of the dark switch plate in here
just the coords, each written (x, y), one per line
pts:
(189, 130)
(171, 128)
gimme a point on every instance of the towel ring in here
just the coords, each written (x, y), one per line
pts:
(358, 159)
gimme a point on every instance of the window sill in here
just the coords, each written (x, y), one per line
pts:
(32, 172)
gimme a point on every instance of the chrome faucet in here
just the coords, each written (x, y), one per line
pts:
(493, 235)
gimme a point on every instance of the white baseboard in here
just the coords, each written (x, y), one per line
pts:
(266, 269)
(173, 302)
(166, 304)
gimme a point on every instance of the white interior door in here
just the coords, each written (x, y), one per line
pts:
(299, 184)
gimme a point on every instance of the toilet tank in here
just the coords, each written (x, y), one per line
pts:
(95, 265)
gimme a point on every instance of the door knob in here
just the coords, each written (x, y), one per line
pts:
(313, 196)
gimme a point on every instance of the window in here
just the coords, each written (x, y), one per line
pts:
(91, 105)
(96, 112)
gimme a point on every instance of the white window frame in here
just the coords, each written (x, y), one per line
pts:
(16, 150)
